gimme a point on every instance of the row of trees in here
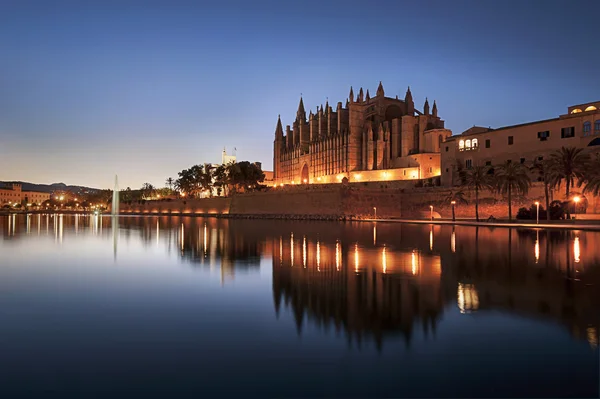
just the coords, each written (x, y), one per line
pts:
(221, 180)
(569, 166)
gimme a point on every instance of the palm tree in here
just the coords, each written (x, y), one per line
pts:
(592, 178)
(546, 174)
(456, 196)
(568, 164)
(170, 182)
(512, 177)
(476, 178)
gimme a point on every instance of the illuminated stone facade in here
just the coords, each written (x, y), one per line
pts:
(369, 139)
(16, 195)
(524, 143)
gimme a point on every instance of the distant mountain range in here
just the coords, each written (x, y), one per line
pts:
(49, 188)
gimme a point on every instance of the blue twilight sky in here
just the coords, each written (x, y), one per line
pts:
(89, 89)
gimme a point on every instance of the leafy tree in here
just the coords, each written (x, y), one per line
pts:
(568, 164)
(476, 178)
(190, 180)
(147, 190)
(512, 177)
(221, 175)
(245, 175)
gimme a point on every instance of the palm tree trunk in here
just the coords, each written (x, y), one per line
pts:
(509, 205)
(476, 204)
(547, 201)
(567, 197)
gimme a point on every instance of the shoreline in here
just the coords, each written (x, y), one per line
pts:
(574, 224)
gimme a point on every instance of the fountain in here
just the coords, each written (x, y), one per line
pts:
(115, 199)
(115, 216)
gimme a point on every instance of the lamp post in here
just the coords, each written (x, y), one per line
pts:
(576, 199)
(453, 215)
(431, 209)
(375, 210)
(537, 203)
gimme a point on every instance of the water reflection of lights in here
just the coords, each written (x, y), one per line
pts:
(28, 224)
(337, 256)
(431, 239)
(356, 257)
(318, 256)
(292, 249)
(60, 228)
(39, 223)
(304, 251)
(157, 231)
(413, 261)
(537, 247)
(576, 250)
(468, 300)
(384, 260)
(205, 240)
(375, 234)
(280, 250)
(592, 336)
(182, 236)
(453, 241)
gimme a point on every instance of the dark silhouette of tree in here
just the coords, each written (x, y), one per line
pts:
(476, 178)
(512, 178)
(568, 164)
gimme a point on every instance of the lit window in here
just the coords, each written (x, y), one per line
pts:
(468, 145)
(461, 145)
(576, 111)
(587, 128)
(591, 108)
(474, 143)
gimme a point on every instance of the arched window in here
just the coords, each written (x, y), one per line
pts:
(468, 145)
(587, 127)
(597, 127)
(576, 111)
(591, 108)
(440, 140)
(461, 145)
(474, 143)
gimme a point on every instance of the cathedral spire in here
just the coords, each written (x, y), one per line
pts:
(278, 131)
(410, 105)
(360, 96)
(380, 91)
(434, 110)
(351, 95)
(426, 107)
(368, 97)
(326, 106)
(301, 114)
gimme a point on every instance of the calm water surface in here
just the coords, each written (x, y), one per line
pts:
(178, 306)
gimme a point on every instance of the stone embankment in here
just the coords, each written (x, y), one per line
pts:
(349, 202)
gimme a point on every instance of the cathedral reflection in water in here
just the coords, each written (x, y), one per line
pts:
(396, 283)
(371, 281)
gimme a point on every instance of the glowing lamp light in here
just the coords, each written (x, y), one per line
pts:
(305, 180)
(357, 176)
(319, 178)
(453, 202)
(576, 199)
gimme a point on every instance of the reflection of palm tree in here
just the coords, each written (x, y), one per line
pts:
(512, 177)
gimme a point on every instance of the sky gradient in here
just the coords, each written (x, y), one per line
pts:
(144, 90)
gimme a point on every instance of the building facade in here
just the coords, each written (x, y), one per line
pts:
(524, 143)
(369, 139)
(15, 195)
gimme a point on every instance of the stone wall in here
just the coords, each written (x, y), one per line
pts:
(204, 206)
(391, 200)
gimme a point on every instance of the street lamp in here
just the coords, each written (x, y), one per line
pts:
(576, 199)
(537, 203)
(453, 215)
(431, 209)
(375, 210)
